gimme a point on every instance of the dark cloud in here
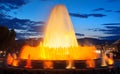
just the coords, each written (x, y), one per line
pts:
(98, 29)
(112, 34)
(97, 15)
(114, 30)
(79, 34)
(95, 29)
(38, 28)
(111, 29)
(106, 10)
(112, 24)
(86, 15)
(98, 9)
(101, 9)
(114, 37)
(118, 11)
(8, 5)
(40, 22)
(79, 15)
(23, 26)
(17, 22)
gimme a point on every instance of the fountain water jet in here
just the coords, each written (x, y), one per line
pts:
(15, 60)
(59, 31)
(90, 63)
(70, 64)
(9, 59)
(59, 41)
(104, 58)
(110, 59)
(48, 65)
(28, 62)
(107, 60)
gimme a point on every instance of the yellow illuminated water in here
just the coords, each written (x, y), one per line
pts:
(59, 42)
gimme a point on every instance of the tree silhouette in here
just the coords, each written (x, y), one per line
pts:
(7, 38)
(4, 32)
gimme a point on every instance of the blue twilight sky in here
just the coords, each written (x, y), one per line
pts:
(91, 18)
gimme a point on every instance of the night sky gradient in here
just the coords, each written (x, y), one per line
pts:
(91, 18)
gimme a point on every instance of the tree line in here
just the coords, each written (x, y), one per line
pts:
(7, 39)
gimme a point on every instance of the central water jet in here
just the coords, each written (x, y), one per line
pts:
(59, 31)
(59, 36)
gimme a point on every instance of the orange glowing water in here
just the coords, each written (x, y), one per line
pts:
(48, 65)
(59, 40)
(90, 63)
(107, 60)
(27, 50)
(28, 63)
(70, 64)
(110, 59)
(15, 60)
(9, 59)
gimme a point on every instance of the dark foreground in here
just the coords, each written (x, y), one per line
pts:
(60, 71)
(59, 68)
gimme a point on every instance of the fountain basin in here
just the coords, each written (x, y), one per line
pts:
(60, 71)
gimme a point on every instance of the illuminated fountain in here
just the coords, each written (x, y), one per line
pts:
(59, 43)
(110, 59)
(9, 59)
(90, 63)
(107, 60)
(28, 62)
(15, 60)
(104, 58)
(12, 59)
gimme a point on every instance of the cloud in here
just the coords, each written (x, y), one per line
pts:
(18, 22)
(8, 5)
(28, 34)
(111, 29)
(112, 24)
(79, 15)
(86, 15)
(98, 9)
(79, 34)
(23, 26)
(106, 10)
(20, 30)
(118, 11)
(114, 30)
(101, 9)
(38, 28)
(97, 15)
(114, 37)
